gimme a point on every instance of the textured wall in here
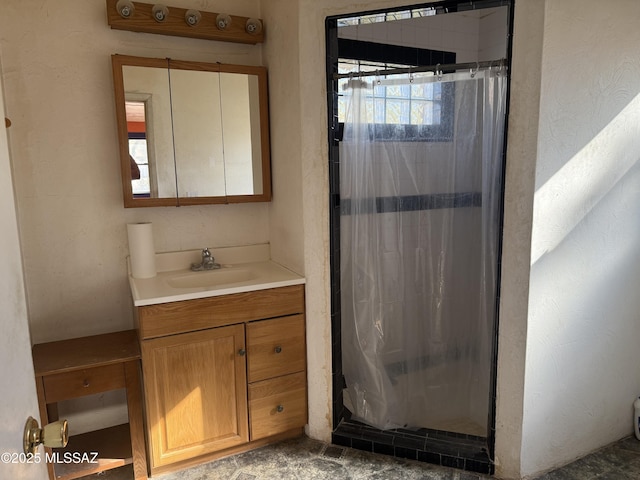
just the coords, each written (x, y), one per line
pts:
(281, 56)
(522, 144)
(581, 366)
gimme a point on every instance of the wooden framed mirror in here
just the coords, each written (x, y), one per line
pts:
(191, 133)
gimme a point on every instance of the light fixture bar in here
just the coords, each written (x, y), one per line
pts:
(142, 19)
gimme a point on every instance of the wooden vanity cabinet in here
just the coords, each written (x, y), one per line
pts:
(222, 374)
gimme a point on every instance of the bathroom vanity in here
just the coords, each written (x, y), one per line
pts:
(223, 356)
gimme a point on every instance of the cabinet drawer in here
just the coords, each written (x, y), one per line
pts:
(62, 386)
(275, 347)
(191, 315)
(277, 405)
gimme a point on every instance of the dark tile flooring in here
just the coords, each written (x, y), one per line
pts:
(307, 459)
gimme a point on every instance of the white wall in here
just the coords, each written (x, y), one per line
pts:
(522, 148)
(492, 35)
(582, 341)
(281, 57)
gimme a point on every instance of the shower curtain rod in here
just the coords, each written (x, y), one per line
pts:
(427, 68)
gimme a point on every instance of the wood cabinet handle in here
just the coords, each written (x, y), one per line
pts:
(242, 352)
(278, 349)
(280, 408)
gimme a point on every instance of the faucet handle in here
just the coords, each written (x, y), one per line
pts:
(206, 252)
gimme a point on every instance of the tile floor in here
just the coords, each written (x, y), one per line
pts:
(306, 459)
(620, 461)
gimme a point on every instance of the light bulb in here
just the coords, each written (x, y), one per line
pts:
(253, 26)
(192, 17)
(223, 21)
(160, 12)
(125, 8)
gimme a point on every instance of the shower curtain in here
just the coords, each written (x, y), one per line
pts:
(420, 216)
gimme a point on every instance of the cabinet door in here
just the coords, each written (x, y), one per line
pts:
(196, 393)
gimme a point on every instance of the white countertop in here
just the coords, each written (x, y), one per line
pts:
(252, 264)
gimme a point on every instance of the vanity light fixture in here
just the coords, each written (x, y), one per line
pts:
(192, 17)
(164, 19)
(223, 21)
(160, 13)
(253, 26)
(125, 8)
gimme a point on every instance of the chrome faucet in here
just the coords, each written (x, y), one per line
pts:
(208, 262)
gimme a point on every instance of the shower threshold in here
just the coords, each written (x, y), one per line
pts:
(448, 449)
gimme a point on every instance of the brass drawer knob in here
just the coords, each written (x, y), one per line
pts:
(278, 349)
(280, 408)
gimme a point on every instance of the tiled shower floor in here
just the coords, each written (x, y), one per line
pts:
(306, 459)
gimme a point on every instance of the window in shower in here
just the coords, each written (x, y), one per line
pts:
(417, 104)
(418, 110)
(416, 221)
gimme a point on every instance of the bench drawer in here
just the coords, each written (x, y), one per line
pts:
(63, 386)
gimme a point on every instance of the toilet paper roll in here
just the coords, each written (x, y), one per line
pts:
(142, 253)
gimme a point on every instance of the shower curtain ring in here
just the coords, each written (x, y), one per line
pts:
(349, 83)
(377, 77)
(473, 72)
(438, 72)
(410, 75)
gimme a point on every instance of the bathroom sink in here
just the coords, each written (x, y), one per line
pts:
(244, 269)
(210, 278)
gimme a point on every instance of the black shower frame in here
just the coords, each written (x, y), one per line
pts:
(449, 449)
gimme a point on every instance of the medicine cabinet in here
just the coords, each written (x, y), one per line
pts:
(191, 133)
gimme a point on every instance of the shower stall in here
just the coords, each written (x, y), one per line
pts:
(417, 168)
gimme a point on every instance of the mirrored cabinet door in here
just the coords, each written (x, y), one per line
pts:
(146, 134)
(240, 104)
(198, 135)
